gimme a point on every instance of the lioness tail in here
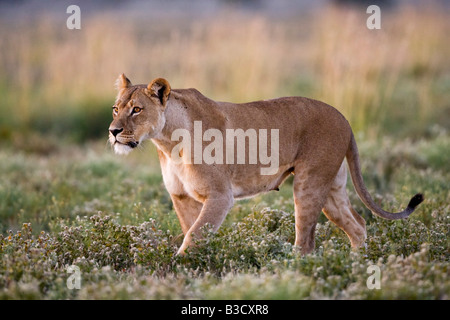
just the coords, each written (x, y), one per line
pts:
(355, 173)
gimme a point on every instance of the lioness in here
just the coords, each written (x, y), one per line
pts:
(314, 139)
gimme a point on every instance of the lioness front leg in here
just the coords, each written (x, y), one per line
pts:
(214, 211)
(187, 209)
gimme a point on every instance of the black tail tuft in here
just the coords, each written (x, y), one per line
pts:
(415, 201)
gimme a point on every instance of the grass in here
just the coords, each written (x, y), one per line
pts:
(66, 199)
(112, 218)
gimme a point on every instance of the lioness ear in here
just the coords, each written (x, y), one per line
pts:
(159, 88)
(122, 83)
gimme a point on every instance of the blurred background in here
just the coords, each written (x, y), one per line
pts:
(58, 83)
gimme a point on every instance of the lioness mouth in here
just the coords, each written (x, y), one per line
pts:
(132, 144)
(124, 148)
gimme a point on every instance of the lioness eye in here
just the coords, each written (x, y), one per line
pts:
(115, 109)
(137, 110)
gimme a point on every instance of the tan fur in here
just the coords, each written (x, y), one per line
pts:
(314, 140)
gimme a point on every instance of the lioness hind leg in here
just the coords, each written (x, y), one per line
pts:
(309, 197)
(339, 210)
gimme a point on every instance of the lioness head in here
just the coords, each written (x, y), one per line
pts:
(138, 113)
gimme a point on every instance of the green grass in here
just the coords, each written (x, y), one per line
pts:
(112, 217)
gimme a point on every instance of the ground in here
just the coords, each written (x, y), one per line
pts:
(112, 217)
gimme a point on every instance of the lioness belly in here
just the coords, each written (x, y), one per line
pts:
(248, 185)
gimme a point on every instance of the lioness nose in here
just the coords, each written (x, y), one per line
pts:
(115, 132)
